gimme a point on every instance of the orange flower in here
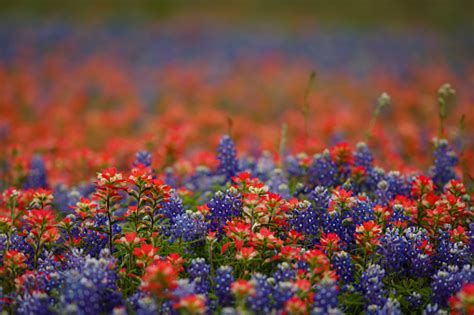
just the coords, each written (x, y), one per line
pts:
(160, 278)
(192, 304)
(242, 288)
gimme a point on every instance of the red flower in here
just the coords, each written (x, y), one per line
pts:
(192, 304)
(246, 253)
(456, 188)
(368, 234)
(330, 242)
(160, 191)
(42, 198)
(265, 238)
(110, 177)
(85, 208)
(463, 301)
(341, 153)
(242, 288)
(130, 240)
(296, 306)
(318, 261)
(294, 237)
(290, 253)
(40, 217)
(176, 260)
(204, 210)
(236, 229)
(14, 259)
(459, 235)
(141, 177)
(145, 253)
(50, 235)
(426, 247)
(160, 278)
(341, 200)
(422, 185)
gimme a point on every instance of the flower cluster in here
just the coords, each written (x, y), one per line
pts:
(335, 242)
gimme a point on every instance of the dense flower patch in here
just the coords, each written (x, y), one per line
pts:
(327, 234)
(120, 195)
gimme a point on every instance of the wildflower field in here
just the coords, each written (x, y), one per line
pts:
(207, 170)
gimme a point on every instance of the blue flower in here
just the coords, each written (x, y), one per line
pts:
(199, 274)
(372, 286)
(91, 288)
(227, 156)
(37, 177)
(325, 296)
(445, 159)
(222, 283)
(448, 281)
(223, 207)
(142, 158)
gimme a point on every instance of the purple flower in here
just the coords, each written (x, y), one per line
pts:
(227, 156)
(372, 286)
(222, 283)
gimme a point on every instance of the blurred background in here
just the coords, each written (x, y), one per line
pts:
(88, 83)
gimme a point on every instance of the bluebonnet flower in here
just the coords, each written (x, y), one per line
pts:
(323, 171)
(445, 159)
(282, 292)
(420, 262)
(20, 244)
(143, 304)
(222, 283)
(304, 219)
(173, 207)
(199, 273)
(471, 238)
(284, 273)
(224, 206)
(342, 264)
(185, 287)
(451, 253)
(372, 286)
(37, 177)
(202, 182)
(294, 167)
(91, 288)
(391, 307)
(261, 302)
(393, 250)
(227, 156)
(36, 302)
(247, 164)
(264, 167)
(278, 183)
(434, 309)
(361, 212)
(142, 158)
(398, 214)
(85, 190)
(363, 157)
(414, 299)
(341, 224)
(320, 196)
(170, 178)
(326, 294)
(93, 241)
(93, 238)
(189, 226)
(449, 280)
(374, 176)
(65, 198)
(392, 185)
